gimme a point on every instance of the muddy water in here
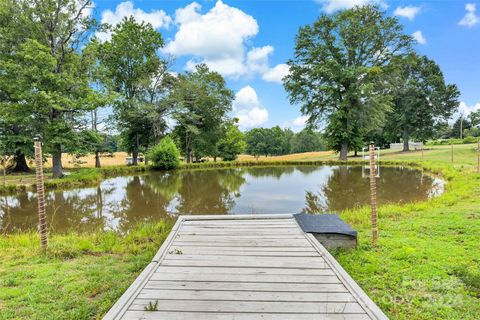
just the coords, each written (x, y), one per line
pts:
(120, 202)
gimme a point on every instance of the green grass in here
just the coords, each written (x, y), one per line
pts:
(426, 264)
(79, 277)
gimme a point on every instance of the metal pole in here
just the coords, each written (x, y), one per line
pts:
(452, 153)
(373, 194)
(42, 219)
(422, 152)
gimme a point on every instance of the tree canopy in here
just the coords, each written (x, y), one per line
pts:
(338, 71)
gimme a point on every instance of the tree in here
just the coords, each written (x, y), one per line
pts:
(257, 142)
(102, 98)
(422, 99)
(233, 142)
(15, 119)
(306, 141)
(202, 100)
(459, 126)
(474, 118)
(131, 62)
(338, 70)
(60, 27)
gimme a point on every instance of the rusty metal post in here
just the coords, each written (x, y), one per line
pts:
(452, 153)
(373, 194)
(42, 219)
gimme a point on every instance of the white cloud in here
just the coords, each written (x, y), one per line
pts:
(157, 18)
(297, 124)
(408, 12)
(334, 5)
(300, 121)
(463, 110)
(219, 38)
(257, 59)
(247, 108)
(277, 73)
(470, 19)
(216, 38)
(419, 37)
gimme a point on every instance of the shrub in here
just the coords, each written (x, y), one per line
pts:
(443, 142)
(165, 155)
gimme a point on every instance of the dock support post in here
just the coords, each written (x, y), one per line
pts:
(373, 193)
(42, 221)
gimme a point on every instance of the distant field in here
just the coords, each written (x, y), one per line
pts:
(465, 153)
(118, 158)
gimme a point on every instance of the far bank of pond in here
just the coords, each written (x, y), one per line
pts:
(118, 203)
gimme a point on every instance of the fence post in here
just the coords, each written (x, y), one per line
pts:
(373, 194)
(42, 220)
(452, 153)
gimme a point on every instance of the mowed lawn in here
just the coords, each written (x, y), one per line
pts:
(426, 264)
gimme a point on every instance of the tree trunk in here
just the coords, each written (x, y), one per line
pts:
(20, 163)
(135, 152)
(406, 146)
(135, 157)
(4, 164)
(57, 161)
(97, 159)
(344, 151)
(356, 153)
(215, 159)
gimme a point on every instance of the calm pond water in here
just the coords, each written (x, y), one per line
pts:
(119, 202)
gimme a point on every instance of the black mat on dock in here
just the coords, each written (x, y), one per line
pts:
(323, 223)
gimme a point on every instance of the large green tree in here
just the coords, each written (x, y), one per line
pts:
(232, 143)
(422, 99)
(132, 64)
(202, 101)
(48, 92)
(337, 72)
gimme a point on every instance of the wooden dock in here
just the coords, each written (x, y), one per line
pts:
(243, 267)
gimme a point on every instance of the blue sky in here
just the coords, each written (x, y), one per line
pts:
(250, 41)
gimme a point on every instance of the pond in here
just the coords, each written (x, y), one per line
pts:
(118, 203)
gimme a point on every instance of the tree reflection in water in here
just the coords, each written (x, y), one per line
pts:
(120, 202)
(346, 189)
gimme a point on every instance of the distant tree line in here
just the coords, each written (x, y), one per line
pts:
(276, 141)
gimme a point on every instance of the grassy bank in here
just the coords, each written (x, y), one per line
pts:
(426, 264)
(79, 277)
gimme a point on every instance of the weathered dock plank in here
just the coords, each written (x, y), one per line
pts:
(243, 267)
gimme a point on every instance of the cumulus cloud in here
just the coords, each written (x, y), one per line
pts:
(297, 124)
(157, 18)
(247, 108)
(219, 38)
(277, 73)
(465, 110)
(409, 12)
(419, 37)
(216, 38)
(470, 19)
(300, 121)
(330, 6)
